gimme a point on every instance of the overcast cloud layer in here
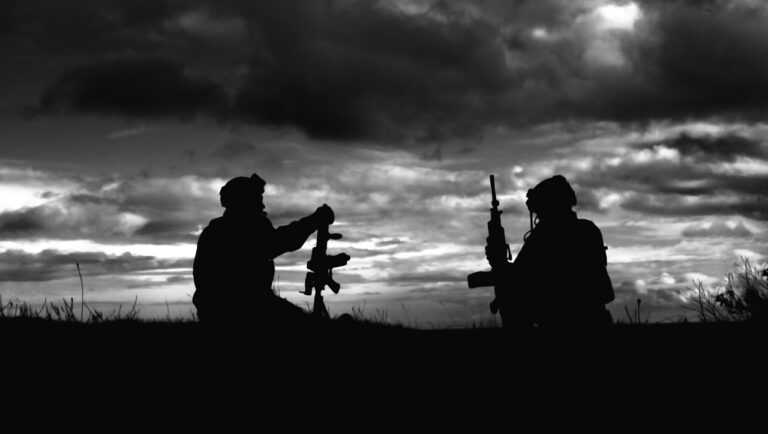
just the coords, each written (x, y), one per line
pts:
(397, 69)
(120, 120)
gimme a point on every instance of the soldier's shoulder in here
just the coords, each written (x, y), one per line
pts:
(265, 221)
(218, 221)
(586, 223)
(213, 226)
(588, 227)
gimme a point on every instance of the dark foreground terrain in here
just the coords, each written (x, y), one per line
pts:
(329, 373)
(360, 346)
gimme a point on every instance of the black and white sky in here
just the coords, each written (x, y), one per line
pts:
(121, 119)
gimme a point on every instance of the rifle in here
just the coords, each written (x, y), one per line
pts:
(321, 267)
(498, 253)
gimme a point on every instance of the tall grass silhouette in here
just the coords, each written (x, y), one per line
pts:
(66, 312)
(744, 298)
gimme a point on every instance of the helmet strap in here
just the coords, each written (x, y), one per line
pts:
(528, 234)
(530, 214)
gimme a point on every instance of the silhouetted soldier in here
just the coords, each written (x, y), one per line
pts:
(234, 268)
(559, 277)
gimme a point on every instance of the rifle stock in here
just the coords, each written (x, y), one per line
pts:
(480, 279)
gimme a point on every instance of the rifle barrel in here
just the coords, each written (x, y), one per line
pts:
(494, 202)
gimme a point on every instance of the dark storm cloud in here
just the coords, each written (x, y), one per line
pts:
(366, 71)
(363, 70)
(434, 155)
(588, 200)
(83, 26)
(169, 229)
(359, 69)
(689, 176)
(717, 230)
(178, 279)
(676, 205)
(713, 61)
(21, 224)
(666, 177)
(233, 148)
(89, 199)
(54, 221)
(174, 207)
(685, 63)
(716, 148)
(133, 87)
(19, 266)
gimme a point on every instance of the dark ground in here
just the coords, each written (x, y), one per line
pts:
(387, 376)
(359, 346)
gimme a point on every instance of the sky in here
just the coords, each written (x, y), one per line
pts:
(120, 121)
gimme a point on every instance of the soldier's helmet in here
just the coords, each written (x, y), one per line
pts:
(242, 191)
(553, 193)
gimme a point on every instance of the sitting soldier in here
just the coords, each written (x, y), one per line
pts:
(234, 268)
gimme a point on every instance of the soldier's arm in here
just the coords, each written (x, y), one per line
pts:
(291, 237)
(202, 261)
(523, 272)
(598, 270)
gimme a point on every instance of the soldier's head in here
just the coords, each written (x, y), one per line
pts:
(551, 197)
(243, 194)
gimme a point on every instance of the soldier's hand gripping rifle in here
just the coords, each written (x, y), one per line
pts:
(498, 253)
(321, 267)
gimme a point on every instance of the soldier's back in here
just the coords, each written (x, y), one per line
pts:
(233, 274)
(565, 269)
